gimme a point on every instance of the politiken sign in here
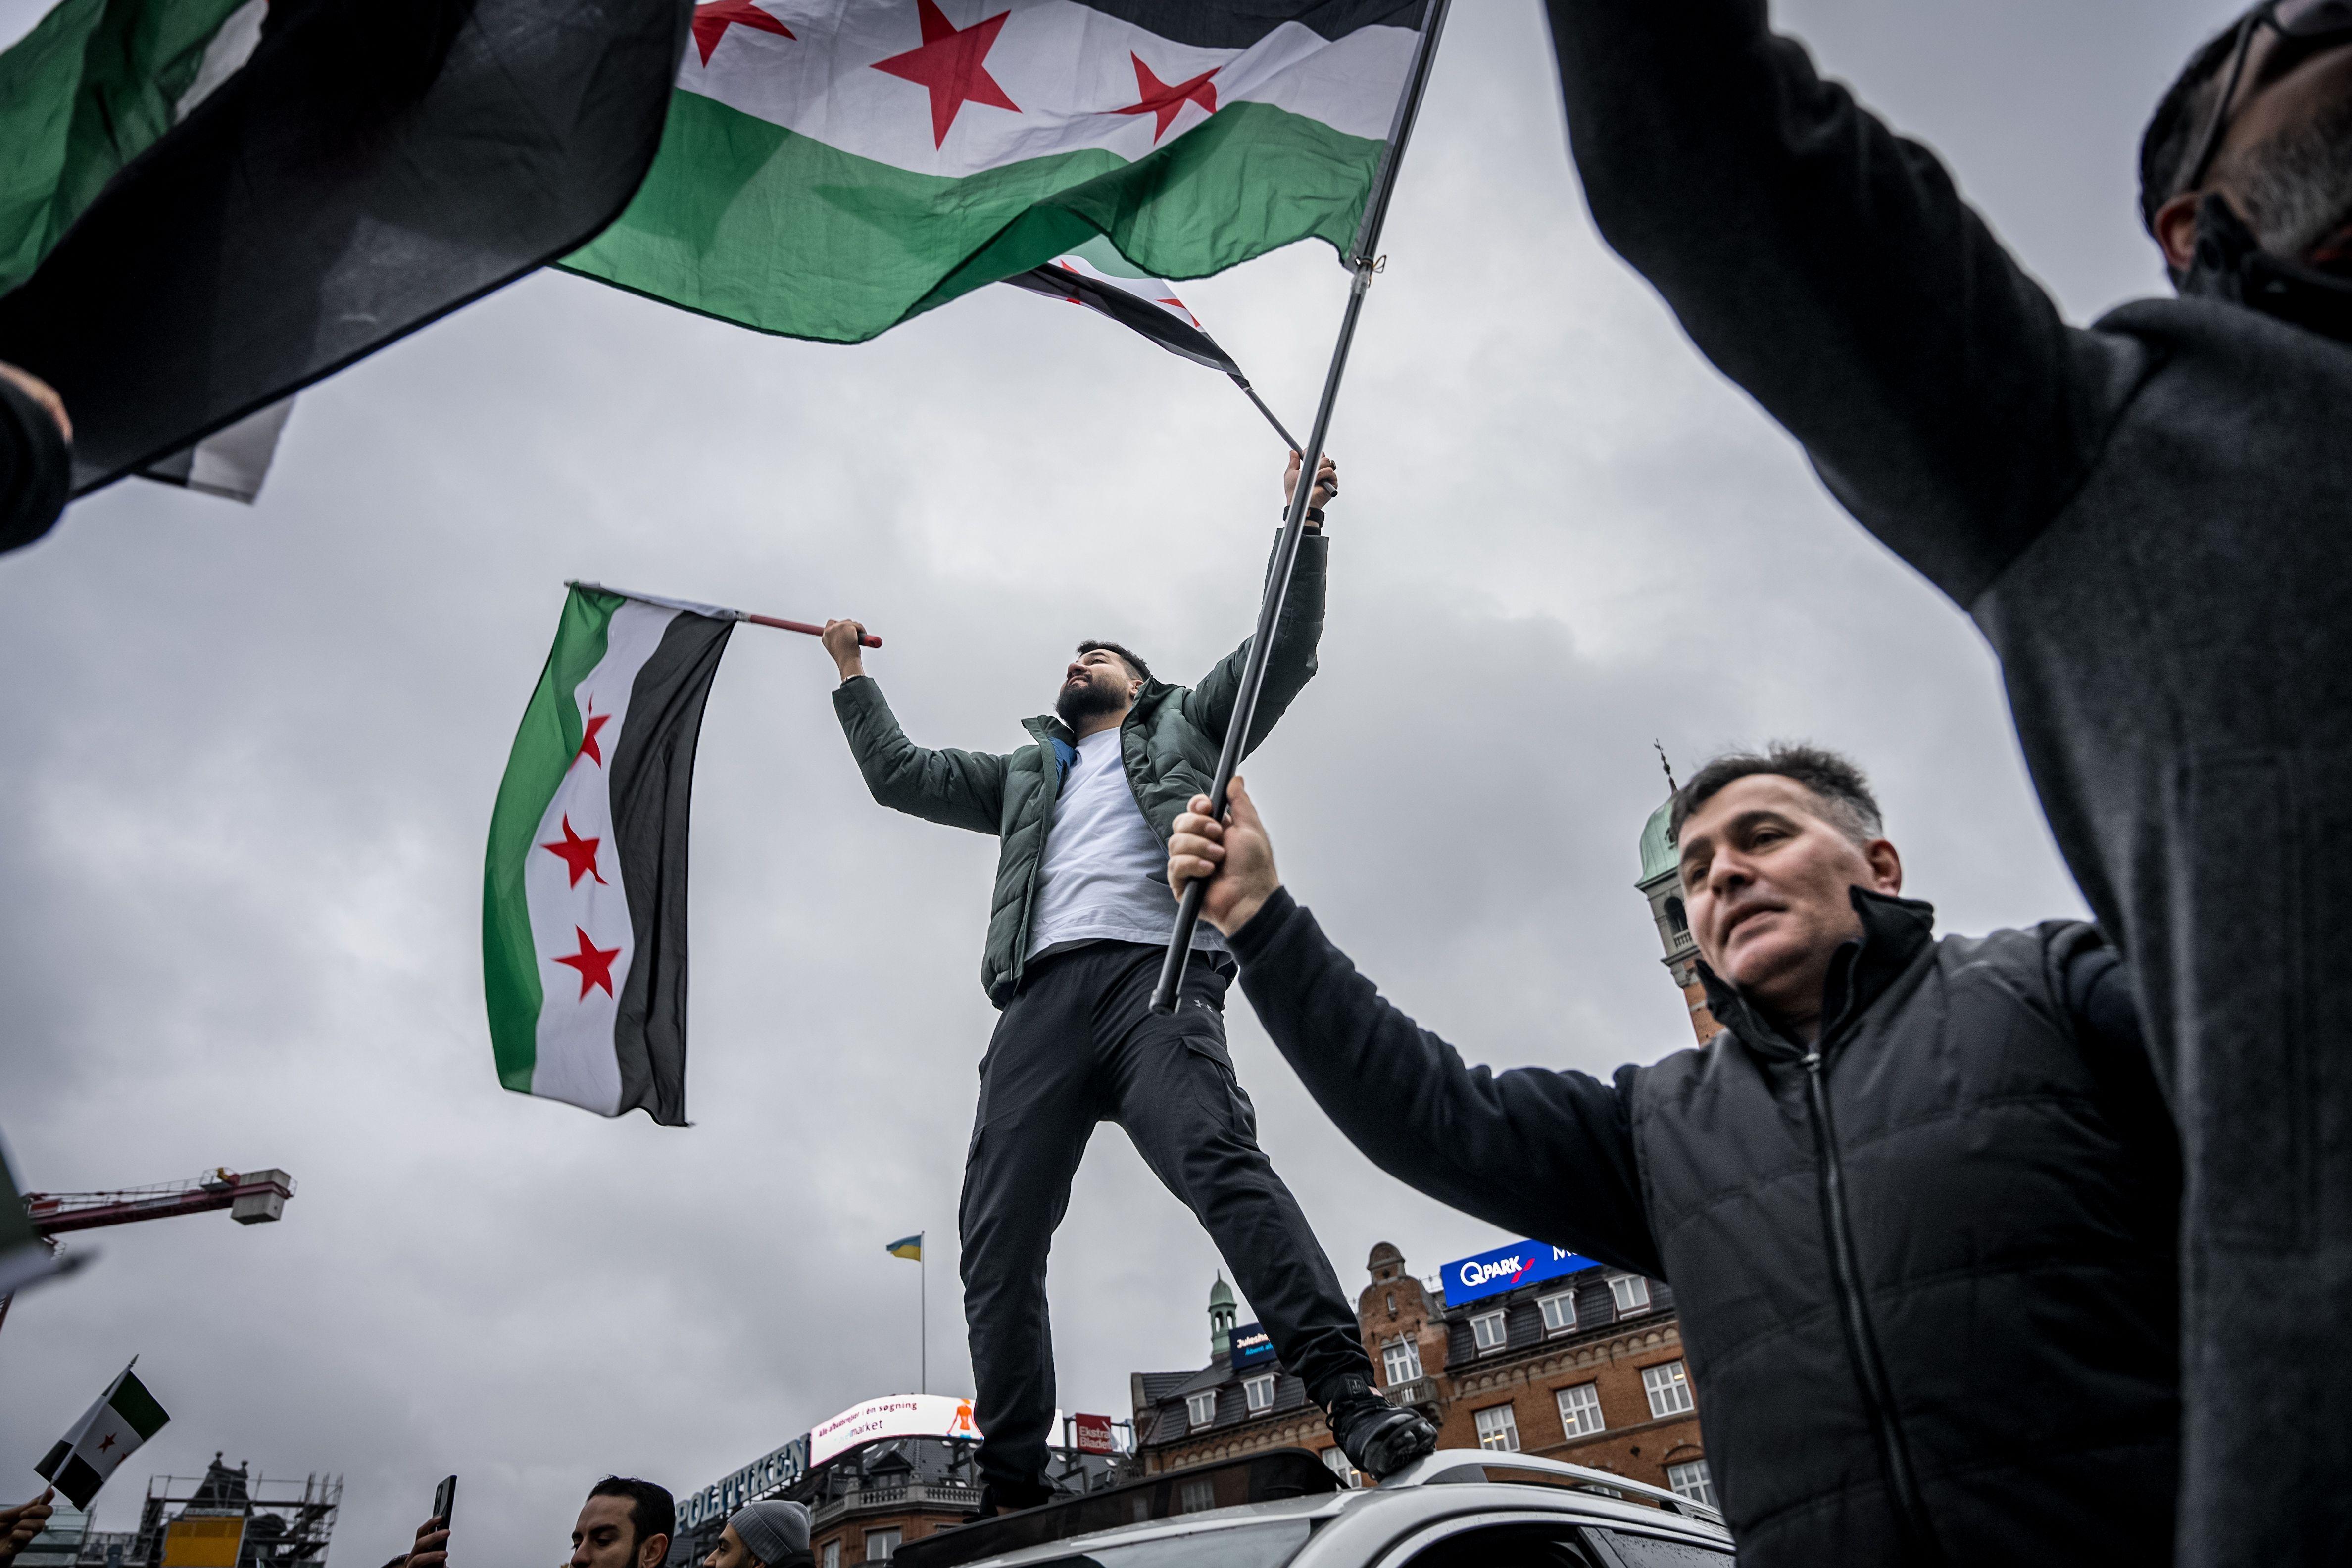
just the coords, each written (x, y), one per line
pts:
(902, 1416)
(1507, 1267)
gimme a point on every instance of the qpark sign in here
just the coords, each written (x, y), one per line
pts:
(1507, 1268)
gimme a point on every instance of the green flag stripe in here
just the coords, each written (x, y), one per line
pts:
(545, 745)
(760, 225)
(137, 1407)
(87, 89)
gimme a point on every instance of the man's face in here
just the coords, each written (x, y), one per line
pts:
(1765, 880)
(2284, 163)
(730, 1552)
(1093, 685)
(606, 1537)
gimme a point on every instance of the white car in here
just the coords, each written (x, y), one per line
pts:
(1456, 1509)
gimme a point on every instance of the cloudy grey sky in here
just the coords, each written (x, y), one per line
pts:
(250, 757)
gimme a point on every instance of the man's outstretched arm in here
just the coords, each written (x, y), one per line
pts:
(960, 789)
(1291, 663)
(1544, 1155)
(1829, 266)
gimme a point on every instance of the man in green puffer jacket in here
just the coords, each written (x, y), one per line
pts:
(1080, 916)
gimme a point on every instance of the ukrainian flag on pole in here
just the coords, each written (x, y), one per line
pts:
(910, 1247)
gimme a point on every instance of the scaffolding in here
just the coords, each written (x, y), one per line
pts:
(287, 1523)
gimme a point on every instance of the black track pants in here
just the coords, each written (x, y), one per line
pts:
(1079, 1044)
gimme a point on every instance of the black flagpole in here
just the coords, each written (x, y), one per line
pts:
(1362, 260)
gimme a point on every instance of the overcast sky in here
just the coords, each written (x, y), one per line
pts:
(250, 758)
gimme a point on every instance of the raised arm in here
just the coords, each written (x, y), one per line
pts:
(960, 789)
(1829, 267)
(1542, 1153)
(1210, 704)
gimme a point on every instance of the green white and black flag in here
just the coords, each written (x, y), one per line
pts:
(583, 902)
(125, 1416)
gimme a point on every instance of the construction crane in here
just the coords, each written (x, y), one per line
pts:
(255, 1197)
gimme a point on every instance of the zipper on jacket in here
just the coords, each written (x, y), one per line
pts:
(1910, 1517)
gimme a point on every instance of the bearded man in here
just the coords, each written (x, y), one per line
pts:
(1079, 920)
(2146, 518)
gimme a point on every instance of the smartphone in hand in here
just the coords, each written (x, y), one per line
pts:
(445, 1498)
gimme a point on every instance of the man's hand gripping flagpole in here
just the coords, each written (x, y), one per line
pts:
(1363, 261)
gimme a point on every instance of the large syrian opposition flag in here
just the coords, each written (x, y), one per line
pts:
(125, 1416)
(583, 900)
(832, 168)
(366, 169)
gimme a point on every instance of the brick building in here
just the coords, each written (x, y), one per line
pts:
(1585, 1367)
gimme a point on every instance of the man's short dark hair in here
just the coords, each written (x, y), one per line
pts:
(1844, 792)
(652, 1510)
(1134, 662)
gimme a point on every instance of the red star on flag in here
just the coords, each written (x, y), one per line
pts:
(1166, 102)
(109, 1443)
(711, 22)
(588, 740)
(595, 965)
(954, 64)
(578, 854)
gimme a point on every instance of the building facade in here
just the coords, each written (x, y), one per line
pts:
(1585, 1367)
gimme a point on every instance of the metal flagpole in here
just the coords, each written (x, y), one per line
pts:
(923, 1307)
(1362, 260)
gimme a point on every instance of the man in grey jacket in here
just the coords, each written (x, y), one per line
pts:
(1077, 925)
(2147, 519)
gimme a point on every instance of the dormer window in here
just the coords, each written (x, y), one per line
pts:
(1490, 1330)
(1259, 1391)
(1201, 1409)
(1631, 1294)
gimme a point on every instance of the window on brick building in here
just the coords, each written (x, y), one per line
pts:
(1401, 1359)
(880, 1544)
(1259, 1391)
(1201, 1408)
(1490, 1329)
(1336, 1461)
(1196, 1496)
(1631, 1293)
(1668, 1387)
(832, 1554)
(1580, 1410)
(1498, 1428)
(1690, 1480)
(1559, 1313)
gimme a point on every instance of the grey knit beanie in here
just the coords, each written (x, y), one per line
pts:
(776, 1531)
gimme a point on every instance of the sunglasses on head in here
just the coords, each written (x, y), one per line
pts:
(2305, 21)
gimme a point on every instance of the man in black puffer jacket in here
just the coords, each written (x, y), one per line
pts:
(1918, 1201)
(2147, 518)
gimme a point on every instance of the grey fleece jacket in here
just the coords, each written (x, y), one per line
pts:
(2150, 519)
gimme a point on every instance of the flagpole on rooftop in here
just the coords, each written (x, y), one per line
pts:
(1363, 261)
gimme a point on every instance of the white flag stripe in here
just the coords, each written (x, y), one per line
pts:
(1070, 67)
(1152, 290)
(576, 1062)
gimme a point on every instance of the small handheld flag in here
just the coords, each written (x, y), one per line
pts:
(583, 899)
(908, 1247)
(125, 1416)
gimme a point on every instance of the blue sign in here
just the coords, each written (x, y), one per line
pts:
(1252, 1344)
(1507, 1268)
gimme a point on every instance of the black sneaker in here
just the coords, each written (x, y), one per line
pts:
(1378, 1438)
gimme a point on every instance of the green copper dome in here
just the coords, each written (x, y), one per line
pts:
(1221, 1294)
(1657, 849)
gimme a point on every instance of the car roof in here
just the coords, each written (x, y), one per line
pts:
(1448, 1483)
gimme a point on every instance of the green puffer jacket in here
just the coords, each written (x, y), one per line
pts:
(1170, 741)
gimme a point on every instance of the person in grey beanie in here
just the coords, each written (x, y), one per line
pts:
(769, 1534)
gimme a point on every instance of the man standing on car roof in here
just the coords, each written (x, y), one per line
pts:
(1081, 919)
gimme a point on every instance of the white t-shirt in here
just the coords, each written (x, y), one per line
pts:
(1104, 877)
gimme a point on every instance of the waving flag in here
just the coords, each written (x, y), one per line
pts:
(832, 168)
(125, 1416)
(1099, 278)
(583, 902)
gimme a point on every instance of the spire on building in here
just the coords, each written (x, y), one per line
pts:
(1220, 1317)
(1661, 882)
